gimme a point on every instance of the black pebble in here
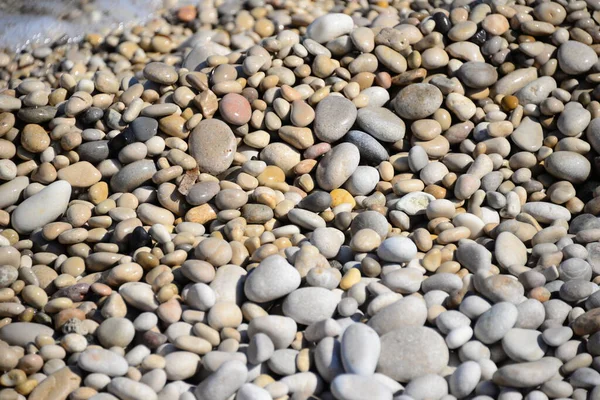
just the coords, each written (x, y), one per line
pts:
(442, 22)
(479, 38)
(92, 115)
(138, 238)
(316, 201)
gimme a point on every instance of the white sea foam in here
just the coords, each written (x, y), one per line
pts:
(26, 22)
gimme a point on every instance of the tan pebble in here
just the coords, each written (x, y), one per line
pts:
(34, 138)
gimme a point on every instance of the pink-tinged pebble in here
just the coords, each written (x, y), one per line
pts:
(235, 109)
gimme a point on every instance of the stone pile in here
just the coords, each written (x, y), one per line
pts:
(334, 200)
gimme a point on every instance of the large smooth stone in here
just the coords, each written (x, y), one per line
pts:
(381, 123)
(412, 351)
(569, 166)
(42, 208)
(213, 145)
(417, 101)
(22, 333)
(529, 374)
(334, 116)
(310, 304)
(337, 166)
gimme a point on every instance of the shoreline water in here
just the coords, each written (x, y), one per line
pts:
(23, 26)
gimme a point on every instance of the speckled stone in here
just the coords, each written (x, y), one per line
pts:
(334, 116)
(417, 101)
(381, 123)
(213, 145)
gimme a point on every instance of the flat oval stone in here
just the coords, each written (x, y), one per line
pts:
(417, 101)
(493, 324)
(133, 176)
(213, 145)
(397, 249)
(568, 165)
(528, 374)
(334, 116)
(57, 386)
(329, 26)
(515, 81)
(81, 174)
(575, 57)
(524, 345)
(593, 134)
(42, 208)
(126, 388)
(202, 192)
(371, 151)
(144, 128)
(546, 212)
(102, 361)
(224, 382)
(381, 123)
(477, 75)
(22, 333)
(10, 192)
(509, 250)
(235, 109)
(360, 348)
(94, 152)
(160, 73)
(337, 166)
(412, 351)
(310, 304)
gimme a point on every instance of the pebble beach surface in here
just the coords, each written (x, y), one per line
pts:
(271, 200)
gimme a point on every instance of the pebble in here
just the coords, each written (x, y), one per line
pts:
(369, 148)
(360, 349)
(310, 304)
(273, 278)
(222, 383)
(328, 27)
(529, 374)
(568, 165)
(213, 146)
(334, 116)
(218, 227)
(529, 135)
(424, 351)
(349, 386)
(130, 389)
(496, 322)
(415, 203)
(235, 109)
(397, 249)
(133, 176)
(417, 101)
(381, 123)
(337, 166)
(477, 75)
(42, 208)
(98, 360)
(575, 58)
